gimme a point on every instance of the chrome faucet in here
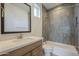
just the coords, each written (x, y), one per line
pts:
(20, 36)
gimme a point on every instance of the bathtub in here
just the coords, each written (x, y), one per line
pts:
(51, 48)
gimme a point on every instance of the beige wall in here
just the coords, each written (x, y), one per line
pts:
(36, 26)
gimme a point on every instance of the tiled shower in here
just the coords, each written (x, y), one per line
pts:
(60, 29)
(59, 24)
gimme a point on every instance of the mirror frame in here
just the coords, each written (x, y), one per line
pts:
(3, 22)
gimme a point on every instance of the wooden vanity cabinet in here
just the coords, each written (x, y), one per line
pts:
(37, 51)
(34, 49)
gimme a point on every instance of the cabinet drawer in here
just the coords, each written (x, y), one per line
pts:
(37, 51)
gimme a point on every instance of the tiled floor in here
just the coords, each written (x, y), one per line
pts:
(60, 49)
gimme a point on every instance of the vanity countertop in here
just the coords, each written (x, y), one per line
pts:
(13, 44)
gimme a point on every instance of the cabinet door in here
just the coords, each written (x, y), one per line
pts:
(37, 51)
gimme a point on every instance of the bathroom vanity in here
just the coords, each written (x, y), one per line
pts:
(27, 47)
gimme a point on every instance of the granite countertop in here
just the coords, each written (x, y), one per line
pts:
(13, 44)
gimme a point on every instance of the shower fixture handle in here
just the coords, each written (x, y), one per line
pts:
(76, 21)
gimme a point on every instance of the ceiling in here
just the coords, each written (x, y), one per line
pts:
(50, 5)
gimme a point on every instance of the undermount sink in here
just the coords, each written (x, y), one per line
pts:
(23, 39)
(28, 39)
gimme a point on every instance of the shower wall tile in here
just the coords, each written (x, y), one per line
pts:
(62, 24)
(45, 22)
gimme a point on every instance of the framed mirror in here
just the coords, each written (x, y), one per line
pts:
(15, 18)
